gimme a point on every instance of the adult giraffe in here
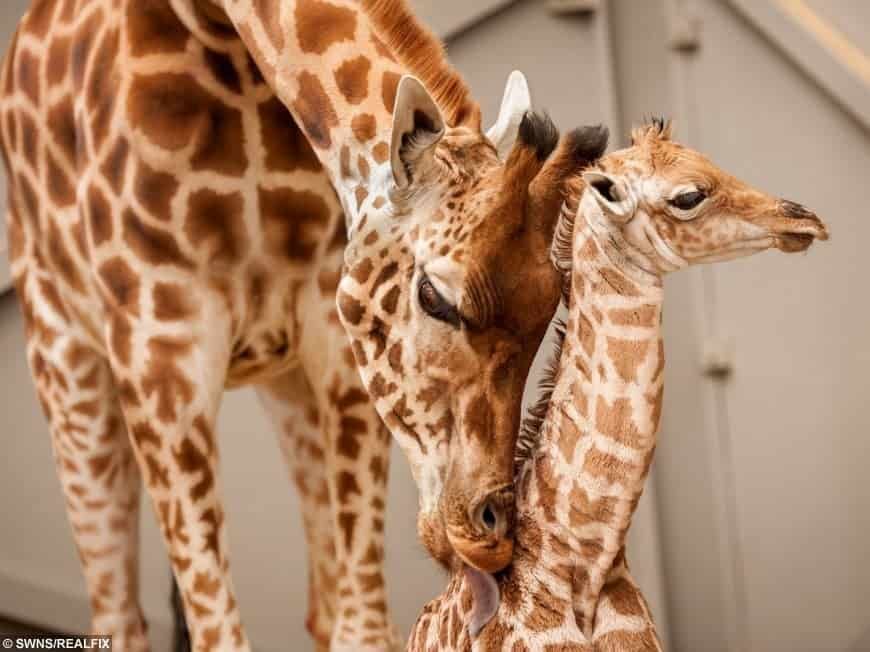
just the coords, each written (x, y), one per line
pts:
(637, 214)
(173, 232)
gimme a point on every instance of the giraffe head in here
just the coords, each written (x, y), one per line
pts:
(447, 293)
(671, 207)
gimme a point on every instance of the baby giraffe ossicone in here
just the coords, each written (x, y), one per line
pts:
(637, 214)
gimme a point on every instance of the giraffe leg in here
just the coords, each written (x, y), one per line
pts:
(356, 453)
(94, 461)
(292, 407)
(180, 633)
(170, 385)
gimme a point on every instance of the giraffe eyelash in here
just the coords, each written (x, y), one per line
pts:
(435, 305)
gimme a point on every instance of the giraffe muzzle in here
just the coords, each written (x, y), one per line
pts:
(797, 227)
(486, 542)
(493, 516)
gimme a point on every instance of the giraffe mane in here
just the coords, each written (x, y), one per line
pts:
(422, 53)
(656, 126)
(530, 430)
(561, 249)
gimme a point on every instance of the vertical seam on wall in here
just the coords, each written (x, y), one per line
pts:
(606, 65)
(721, 454)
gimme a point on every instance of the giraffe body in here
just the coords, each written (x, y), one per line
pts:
(637, 214)
(173, 232)
(143, 221)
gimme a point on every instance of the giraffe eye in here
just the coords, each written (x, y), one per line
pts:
(436, 306)
(686, 201)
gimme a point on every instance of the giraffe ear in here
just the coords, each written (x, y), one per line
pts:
(417, 128)
(515, 103)
(612, 195)
(485, 598)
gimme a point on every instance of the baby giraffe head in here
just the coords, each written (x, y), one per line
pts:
(670, 207)
(447, 293)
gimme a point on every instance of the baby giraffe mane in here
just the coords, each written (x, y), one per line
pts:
(590, 147)
(422, 53)
(530, 430)
(659, 126)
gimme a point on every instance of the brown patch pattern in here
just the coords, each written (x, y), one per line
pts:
(315, 110)
(352, 79)
(319, 25)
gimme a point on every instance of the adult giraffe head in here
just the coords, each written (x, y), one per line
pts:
(447, 288)
(675, 208)
(447, 294)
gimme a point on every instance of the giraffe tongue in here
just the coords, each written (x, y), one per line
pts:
(485, 597)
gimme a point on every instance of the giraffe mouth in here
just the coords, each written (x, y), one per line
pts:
(794, 242)
(798, 230)
(485, 555)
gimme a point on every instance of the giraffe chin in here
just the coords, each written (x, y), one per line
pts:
(483, 555)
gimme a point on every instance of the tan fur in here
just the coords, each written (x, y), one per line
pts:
(420, 50)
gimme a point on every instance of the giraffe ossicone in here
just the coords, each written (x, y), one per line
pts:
(633, 216)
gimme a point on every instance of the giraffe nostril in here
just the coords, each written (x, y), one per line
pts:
(494, 514)
(796, 211)
(484, 538)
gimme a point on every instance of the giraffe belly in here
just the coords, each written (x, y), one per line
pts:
(260, 358)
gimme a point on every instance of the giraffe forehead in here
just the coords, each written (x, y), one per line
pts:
(658, 173)
(467, 153)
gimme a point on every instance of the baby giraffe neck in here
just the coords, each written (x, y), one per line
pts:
(599, 433)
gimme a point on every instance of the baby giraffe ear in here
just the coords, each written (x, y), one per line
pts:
(417, 128)
(612, 195)
(515, 103)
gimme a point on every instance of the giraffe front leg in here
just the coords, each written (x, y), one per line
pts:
(95, 465)
(356, 447)
(171, 384)
(293, 410)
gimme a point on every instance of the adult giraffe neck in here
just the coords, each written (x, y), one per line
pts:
(598, 436)
(326, 63)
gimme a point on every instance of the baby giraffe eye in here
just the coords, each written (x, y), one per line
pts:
(686, 201)
(436, 306)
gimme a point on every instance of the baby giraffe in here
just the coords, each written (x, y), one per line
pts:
(652, 208)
